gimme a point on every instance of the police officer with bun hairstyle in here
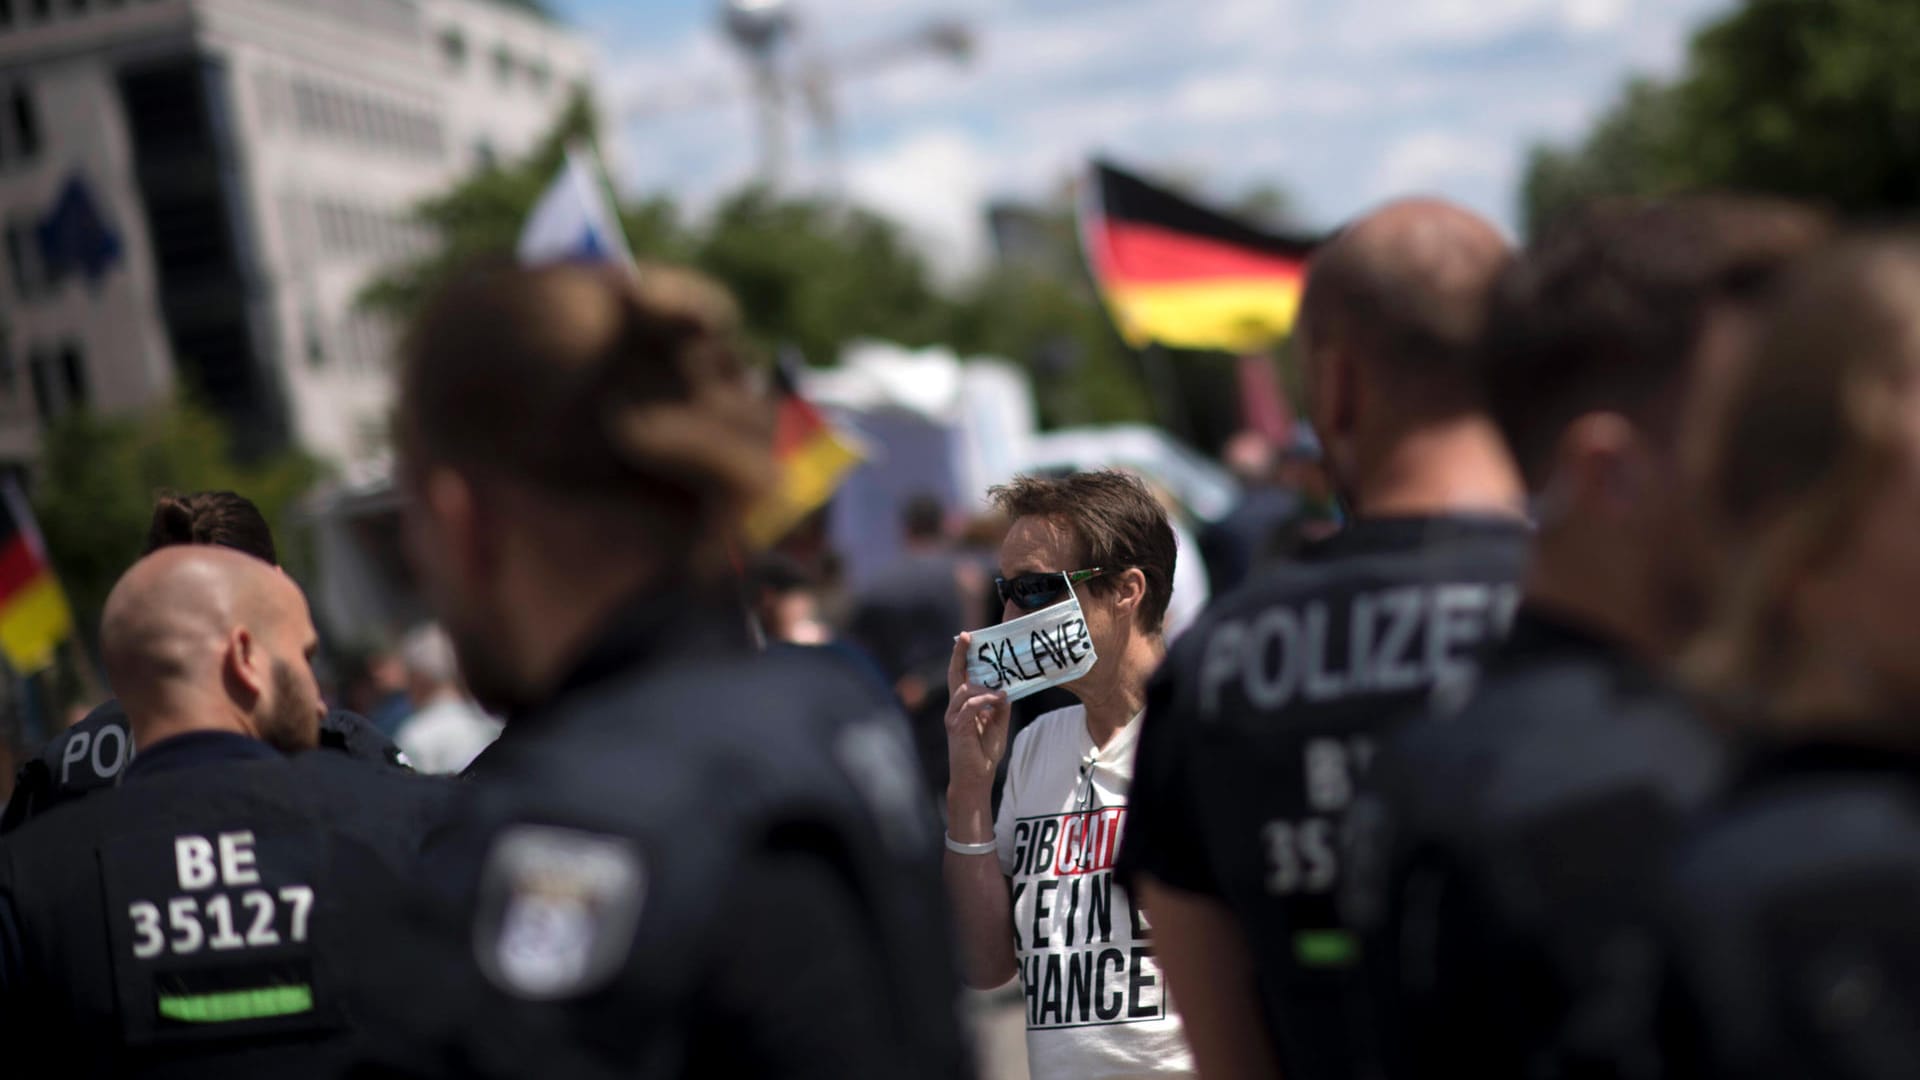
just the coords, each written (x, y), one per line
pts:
(1506, 856)
(1793, 943)
(682, 857)
(1261, 724)
(91, 754)
(200, 918)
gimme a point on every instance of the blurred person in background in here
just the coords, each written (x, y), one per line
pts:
(785, 603)
(1032, 884)
(1190, 593)
(91, 753)
(1792, 944)
(1261, 724)
(682, 857)
(447, 730)
(905, 618)
(1245, 538)
(1512, 842)
(387, 702)
(202, 917)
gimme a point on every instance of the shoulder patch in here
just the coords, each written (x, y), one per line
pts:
(558, 910)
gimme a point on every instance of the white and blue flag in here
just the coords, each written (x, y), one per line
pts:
(572, 221)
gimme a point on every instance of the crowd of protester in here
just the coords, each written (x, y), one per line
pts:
(1535, 714)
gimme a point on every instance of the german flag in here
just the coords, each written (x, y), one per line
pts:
(33, 611)
(813, 459)
(1173, 272)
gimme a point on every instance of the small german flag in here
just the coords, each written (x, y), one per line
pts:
(813, 459)
(1176, 273)
(33, 611)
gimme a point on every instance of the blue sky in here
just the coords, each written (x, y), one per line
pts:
(1342, 102)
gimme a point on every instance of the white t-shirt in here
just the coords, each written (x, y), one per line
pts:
(1097, 1005)
(446, 736)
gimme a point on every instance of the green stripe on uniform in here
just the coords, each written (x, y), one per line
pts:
(233, 1005)
(1325, 948)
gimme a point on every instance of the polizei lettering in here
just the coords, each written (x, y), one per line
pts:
(1386, 641)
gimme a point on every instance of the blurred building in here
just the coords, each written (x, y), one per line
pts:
(193, 192)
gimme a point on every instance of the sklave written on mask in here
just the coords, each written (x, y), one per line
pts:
(1033, 652)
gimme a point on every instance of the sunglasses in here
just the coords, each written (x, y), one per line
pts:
(1031, 592)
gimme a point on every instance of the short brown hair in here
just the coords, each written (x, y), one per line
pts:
(1114, 519)
(222, 518)
(624, 393)
(1605, 310)
(1813, 435)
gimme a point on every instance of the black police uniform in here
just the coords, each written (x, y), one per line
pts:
(1264, 718)
(1791, 922)
(1505, 857)
(91, 754)
(692, 860)
(202, 918)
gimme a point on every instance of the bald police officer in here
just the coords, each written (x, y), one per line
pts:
(199, 918)
(680, 857)
(1262, 723)
(90, 754)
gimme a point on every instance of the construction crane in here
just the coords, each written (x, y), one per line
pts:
(785, 65)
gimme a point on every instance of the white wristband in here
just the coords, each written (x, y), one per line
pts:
(990, 847)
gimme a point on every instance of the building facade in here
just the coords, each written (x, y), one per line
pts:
(194, 192)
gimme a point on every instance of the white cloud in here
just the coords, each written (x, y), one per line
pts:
(1342, 101)
(935, 184)
(1431, 160)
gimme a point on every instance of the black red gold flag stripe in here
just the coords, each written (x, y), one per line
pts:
(1175, 273)
(813, 457)
(34, 617)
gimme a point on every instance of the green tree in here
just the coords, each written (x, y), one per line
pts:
(98, 477)
(1813, 99)
(1632, 150)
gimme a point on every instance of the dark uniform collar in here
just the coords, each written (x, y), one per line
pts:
(1836, 754)
(1538, 630)
(647, 631)
(196, 748)
(651, 630)
(1391, 535)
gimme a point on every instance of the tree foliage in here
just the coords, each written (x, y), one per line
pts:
(1814, 100)
(99, 475)
(813, 274)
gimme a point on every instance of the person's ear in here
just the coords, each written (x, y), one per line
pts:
(461, 538)
(1130, 591)
(246, 669)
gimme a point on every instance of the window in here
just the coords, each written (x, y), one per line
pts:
(23, 261)
(73, 376)
(26, 126)
(453, 46)
(6, 14)
(42, 386)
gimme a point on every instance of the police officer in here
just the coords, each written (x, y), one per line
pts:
(90, 754)
(681, 857)
(1506, 856)
(1791, 923)
(1262, 721)
(199, 919)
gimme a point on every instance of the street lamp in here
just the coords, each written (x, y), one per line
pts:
(760, 28)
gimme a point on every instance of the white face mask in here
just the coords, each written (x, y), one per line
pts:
(1033, 652)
